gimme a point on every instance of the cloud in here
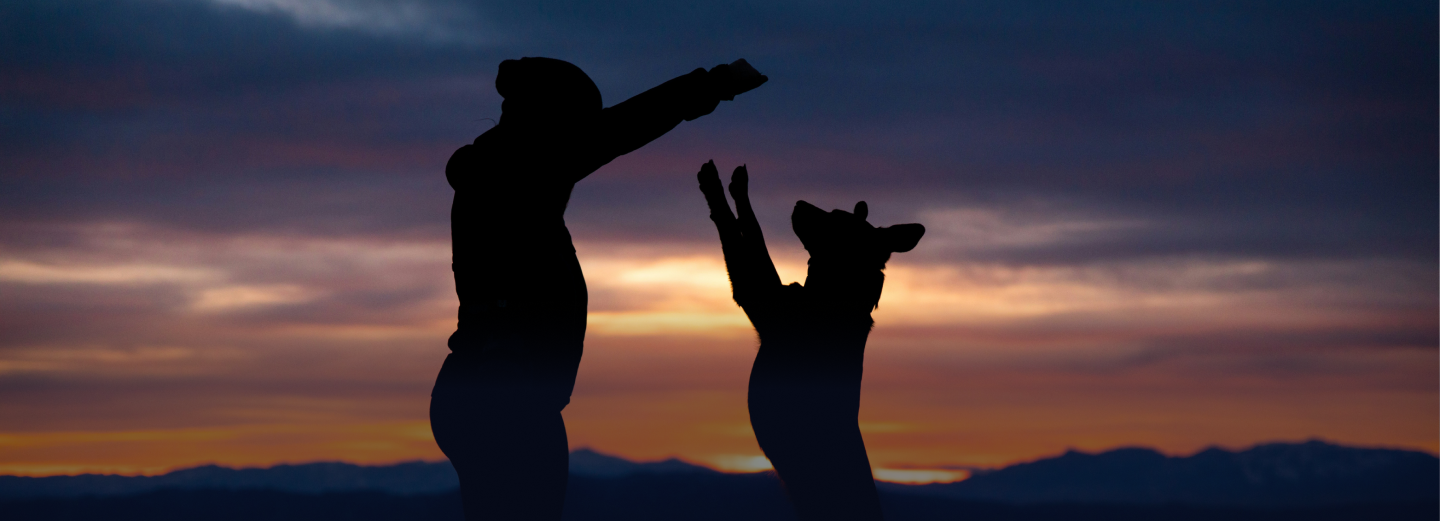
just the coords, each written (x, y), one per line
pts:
(232, 297)
(34, 273)
(434, 20)
(85, 285)
(1307, 138)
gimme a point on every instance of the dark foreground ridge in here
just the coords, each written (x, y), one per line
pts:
(1281, 481)
(645, 497)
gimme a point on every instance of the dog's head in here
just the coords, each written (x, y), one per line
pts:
(839, 237)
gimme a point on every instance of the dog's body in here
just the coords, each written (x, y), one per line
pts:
(804, 394)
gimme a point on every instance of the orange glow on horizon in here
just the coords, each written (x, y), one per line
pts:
(969, 365)
(921, 476)
(154, 452)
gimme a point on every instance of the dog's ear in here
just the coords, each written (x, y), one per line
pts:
(901, 237)
(862, 210)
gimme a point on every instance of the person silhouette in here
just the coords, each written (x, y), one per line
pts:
(495, 408)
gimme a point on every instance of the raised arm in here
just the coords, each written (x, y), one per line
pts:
(632, 123)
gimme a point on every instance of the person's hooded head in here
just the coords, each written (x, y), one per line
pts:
(545, 90)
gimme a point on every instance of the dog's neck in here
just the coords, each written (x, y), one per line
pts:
(849, 287)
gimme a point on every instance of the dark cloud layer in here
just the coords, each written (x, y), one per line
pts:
(1250, 129)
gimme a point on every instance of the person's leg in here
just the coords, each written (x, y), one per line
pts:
(522, 472)
(512, 458)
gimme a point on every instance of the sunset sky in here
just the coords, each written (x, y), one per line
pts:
(224, 229)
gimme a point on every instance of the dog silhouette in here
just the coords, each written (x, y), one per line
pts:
(804, 393)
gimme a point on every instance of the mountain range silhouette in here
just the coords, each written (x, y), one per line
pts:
(1269, 475)
(1313, 480)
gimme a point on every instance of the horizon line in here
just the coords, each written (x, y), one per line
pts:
(967, 469)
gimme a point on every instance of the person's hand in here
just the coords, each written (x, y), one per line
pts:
(735, 78)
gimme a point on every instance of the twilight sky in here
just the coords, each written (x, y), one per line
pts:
(224, 223)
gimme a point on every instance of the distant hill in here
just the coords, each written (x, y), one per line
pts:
(1309, 481)
(312, 478)
(586, 462)
(415, 477)
(1279, 474)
